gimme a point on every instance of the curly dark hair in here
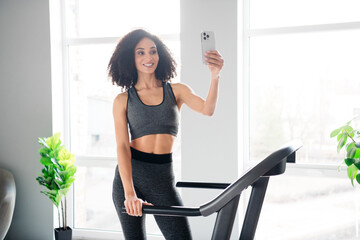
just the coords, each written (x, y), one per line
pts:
(122, 69)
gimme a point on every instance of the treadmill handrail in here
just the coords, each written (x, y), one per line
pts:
(209, 185)
(176, 211)
(249, 177)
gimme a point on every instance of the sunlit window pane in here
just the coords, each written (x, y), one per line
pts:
(91, 98)
(303, 86)
(284, 13)
(109, 18)
(311, 208)
(94, 208)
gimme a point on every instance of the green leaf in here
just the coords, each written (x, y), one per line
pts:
(72, 170)
(335, 132)
(352, 172)
(44, 152)
(348, 129)
(358, 178)
(64, 175)
(54, 185)
(45, 161)
(41, 181)
(340, 136)
(59, 182)
(50, 170)
(357, 154)
(57, 150)
(351, 152)
(45, 172)
(57, 200)
(349, 146)
(54, 141)
(357, 163)
(42, 141)
(65, 154)
(68, 172)
(71, 180)
(54, 196)
(341, 143)
(345, 139)
(66, 164)
(344, 128)
(65, 191)
(352, 133)
(349, 161)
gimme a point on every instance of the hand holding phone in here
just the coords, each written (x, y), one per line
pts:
(207, 43)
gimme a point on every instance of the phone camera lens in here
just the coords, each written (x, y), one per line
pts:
(204, 38)
(204, 34)
(207, 36)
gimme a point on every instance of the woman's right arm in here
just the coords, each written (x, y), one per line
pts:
(132, 204)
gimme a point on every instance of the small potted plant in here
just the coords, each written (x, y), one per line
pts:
(349, 138)
(57, 176)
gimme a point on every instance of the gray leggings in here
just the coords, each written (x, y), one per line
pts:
(154, 183)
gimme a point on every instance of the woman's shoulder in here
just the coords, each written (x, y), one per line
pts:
(121, 99)
(181, 88)
(121, 96)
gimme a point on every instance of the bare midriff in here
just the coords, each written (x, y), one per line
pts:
(155, 143)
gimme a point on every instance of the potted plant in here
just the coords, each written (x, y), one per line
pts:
(57, 176)
(349, 138)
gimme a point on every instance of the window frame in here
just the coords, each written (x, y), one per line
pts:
(328, 170)
(335, 170)
(244, 33)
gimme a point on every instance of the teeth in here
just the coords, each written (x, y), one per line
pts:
(148, 65)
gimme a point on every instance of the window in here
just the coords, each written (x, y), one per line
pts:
(306, 79)
(302, 81)
(91, 30)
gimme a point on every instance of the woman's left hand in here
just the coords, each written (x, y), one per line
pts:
(214, 61)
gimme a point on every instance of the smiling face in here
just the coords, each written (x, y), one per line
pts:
(146, 56)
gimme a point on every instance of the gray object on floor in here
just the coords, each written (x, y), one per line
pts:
(7, 200)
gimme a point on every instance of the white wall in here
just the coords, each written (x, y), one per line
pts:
(25, 110)
(209, 145)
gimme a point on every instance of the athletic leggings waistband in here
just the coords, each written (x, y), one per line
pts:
(150, 157)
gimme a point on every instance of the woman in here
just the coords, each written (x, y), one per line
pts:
(143, 66)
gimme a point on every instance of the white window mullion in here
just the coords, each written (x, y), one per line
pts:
(66, 93)
(246, 84)
(303, 29)
(66, 109)
(85, 41)
(112, 40)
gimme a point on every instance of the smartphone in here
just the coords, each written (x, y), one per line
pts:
(207, 43)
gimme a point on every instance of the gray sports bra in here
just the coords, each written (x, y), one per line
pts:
(152, 119)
